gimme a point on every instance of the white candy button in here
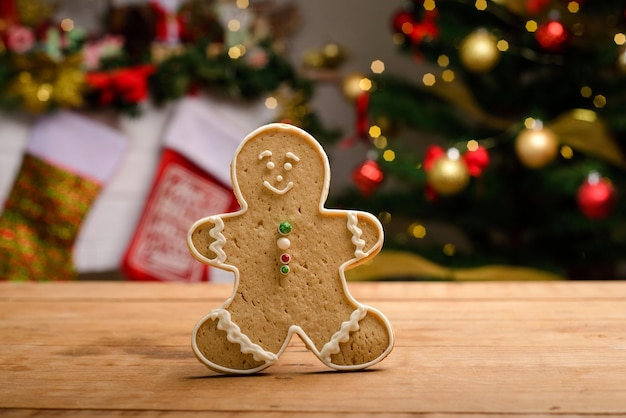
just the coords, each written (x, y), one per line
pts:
(283, 243)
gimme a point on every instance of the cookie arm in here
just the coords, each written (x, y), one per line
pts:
(355, 224)
(197, 240)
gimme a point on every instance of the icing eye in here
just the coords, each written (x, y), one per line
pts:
(287, 166)
(270, 165)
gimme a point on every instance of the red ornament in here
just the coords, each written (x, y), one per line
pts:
(596, 197)
(552, 36)
(367, 177)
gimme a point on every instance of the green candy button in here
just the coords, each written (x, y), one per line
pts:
(284, 228)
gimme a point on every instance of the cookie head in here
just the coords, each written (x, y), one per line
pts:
(278, 162)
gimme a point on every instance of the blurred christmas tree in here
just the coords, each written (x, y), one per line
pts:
(511, 148)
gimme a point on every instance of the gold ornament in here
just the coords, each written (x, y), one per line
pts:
(448, 176)
(44, 83)
(351, 86)
(479, 52)
(313, 58)
(329, 56)
(536, 147)
(334, 55)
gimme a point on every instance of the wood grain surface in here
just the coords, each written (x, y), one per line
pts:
(462, 349)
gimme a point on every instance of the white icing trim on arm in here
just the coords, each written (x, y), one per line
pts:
(217, 246)
(235, 336)
(359, 243)
(343, 335)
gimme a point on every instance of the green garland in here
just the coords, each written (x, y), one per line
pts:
(50, 76)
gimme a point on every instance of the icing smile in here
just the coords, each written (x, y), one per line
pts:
(276, 190)
(287, 166)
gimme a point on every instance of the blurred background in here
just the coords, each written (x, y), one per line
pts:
(487, 136)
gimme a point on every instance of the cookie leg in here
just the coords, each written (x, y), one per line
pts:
(219, 343)
(363, 340)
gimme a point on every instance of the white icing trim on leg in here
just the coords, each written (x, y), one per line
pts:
(234, 335)
(359, 243)
(343, 335)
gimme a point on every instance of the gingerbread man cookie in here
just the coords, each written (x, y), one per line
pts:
(288, 254)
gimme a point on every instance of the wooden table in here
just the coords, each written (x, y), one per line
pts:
(123, 349)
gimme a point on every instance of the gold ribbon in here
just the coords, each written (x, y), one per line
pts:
(391, 264)
(585, 132)
(457, 93)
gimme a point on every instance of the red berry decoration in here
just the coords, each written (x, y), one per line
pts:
(596, 197)
(477, 160)
(426, 30)
(536, 6)
(552, 36)
(416, 29)
(367, 177)
(399, 19)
